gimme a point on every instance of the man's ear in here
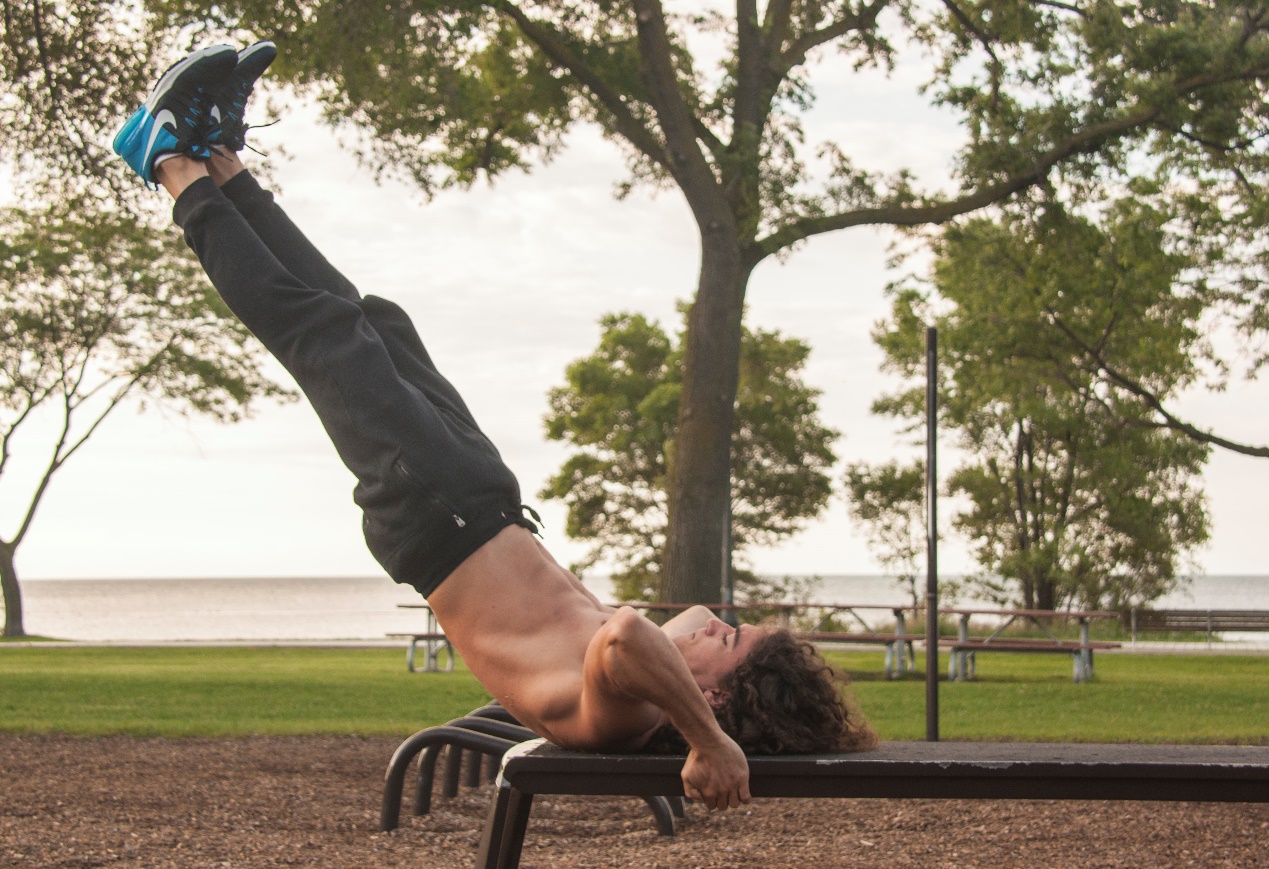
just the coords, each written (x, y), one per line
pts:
(715, 698)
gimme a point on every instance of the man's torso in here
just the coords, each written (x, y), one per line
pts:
(524, 625)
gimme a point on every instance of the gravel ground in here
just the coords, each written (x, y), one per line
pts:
(313, 802)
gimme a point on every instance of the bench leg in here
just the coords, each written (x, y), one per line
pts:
(423, 784)
(453, 771)
(519, 805)
(409, 656)
(471, 773)
(663, 814)
(495, 825)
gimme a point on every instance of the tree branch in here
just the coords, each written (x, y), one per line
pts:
(801, 47)
(934, 213)
(1066, 7)
(973, 28)
(629, 126)
(684, 158)
(1149, 398)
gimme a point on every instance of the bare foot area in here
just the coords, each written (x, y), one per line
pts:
(314, 802)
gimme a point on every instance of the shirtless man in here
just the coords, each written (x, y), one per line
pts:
(441, 511)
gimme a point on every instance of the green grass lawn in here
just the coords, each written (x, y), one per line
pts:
(237, 691)
(225, 691)
(1020, 697)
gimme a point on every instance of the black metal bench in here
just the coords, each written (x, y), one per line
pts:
(487, 733)
(962, 662)
(1196, 621)
(922, 770)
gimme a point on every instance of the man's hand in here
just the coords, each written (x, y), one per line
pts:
(717, 776)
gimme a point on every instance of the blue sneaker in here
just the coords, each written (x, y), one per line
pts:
(227, 125)
(174, 118)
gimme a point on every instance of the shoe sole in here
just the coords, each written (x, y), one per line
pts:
(247, 54)
(211, 52)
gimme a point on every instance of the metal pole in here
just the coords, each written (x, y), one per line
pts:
(931, 538)
(728, 590)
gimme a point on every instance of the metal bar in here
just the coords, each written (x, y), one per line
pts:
(1001, 628)
(932, 532)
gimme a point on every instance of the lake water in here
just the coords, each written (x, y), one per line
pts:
(359, 608)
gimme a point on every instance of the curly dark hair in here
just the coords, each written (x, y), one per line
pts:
(783, 698)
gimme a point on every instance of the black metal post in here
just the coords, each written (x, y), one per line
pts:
(728, 590)
(932, 538)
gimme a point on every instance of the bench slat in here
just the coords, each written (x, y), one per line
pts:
(934, 770)
(1198, 620)
(840, 637)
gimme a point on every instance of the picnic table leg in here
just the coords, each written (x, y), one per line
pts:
(900, 628)
(409, 656)
(1086, 653)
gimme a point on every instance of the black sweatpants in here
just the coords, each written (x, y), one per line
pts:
(431, 487)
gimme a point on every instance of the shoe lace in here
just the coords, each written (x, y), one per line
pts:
(243, 134)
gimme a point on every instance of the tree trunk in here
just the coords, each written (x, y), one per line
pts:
(700, 470)
(12, 592)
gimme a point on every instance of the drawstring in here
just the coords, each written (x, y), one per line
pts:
(525, 522)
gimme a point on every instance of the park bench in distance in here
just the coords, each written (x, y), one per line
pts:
(914, 770)
(1195, 621)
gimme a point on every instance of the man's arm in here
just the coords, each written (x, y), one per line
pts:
(631, 660)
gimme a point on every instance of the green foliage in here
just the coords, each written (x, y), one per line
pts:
(97, 308)
(618, 409)
(69, 72)
(1075, 495)
(888, 501)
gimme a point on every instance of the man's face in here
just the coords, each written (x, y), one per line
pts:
(714, 651)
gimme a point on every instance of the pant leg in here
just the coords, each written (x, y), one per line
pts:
(431, 487)
(322, 338)
(283, 238)
(301, 258)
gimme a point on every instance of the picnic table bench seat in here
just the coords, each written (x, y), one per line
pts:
(900, 657)
(920, 770)
(962, 662)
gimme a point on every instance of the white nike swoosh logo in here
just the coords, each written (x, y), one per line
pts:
(163, 117)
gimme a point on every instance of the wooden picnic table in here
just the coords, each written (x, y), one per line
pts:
(961, 664)
(433, 639)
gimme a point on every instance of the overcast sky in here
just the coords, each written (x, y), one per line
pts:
(506, 285)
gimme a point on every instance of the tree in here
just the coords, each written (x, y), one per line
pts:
(618, 410)
(1077, 98)
(1076, 494)
(69, 71)
(97, 309)
(888, 501)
